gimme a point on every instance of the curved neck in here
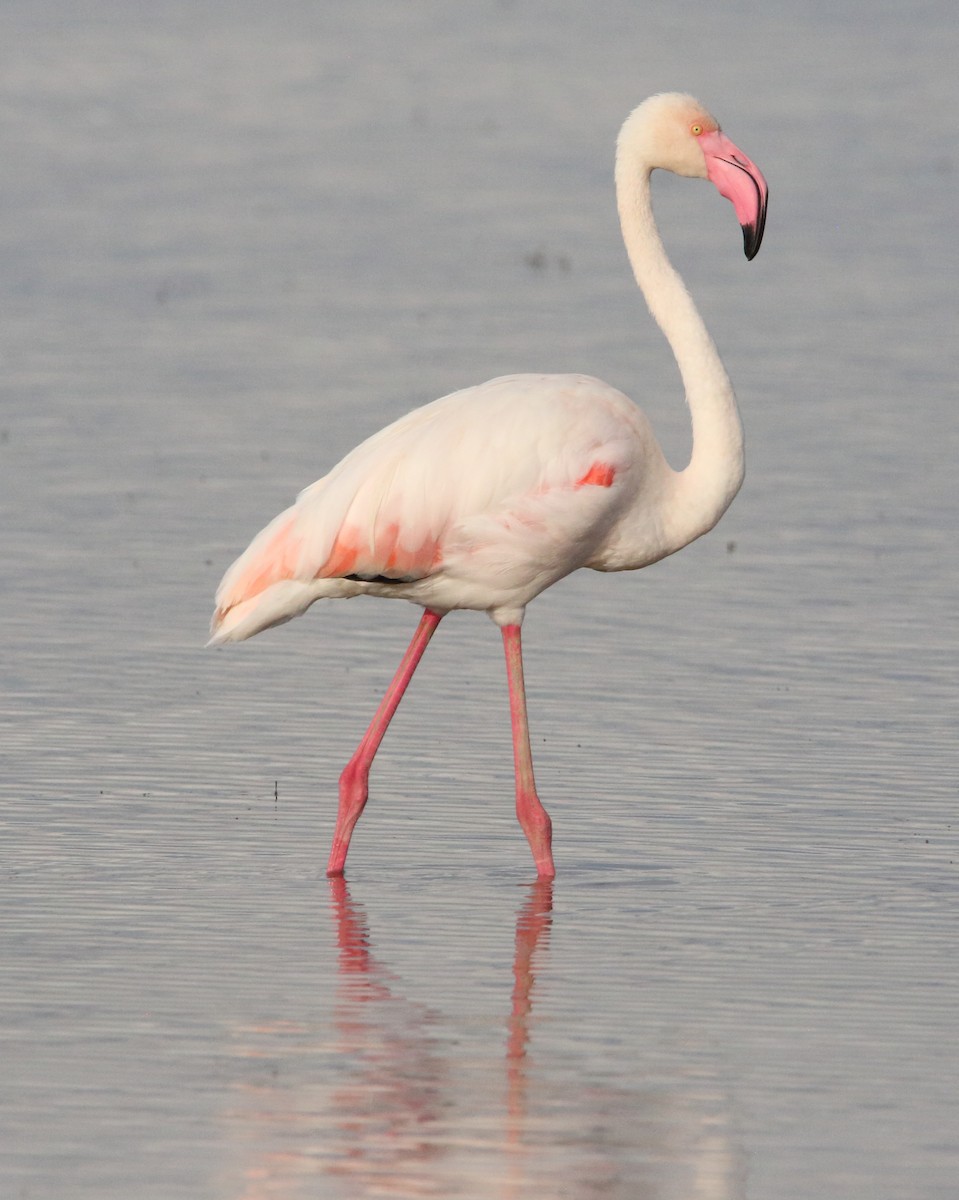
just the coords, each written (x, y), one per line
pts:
(705, 489)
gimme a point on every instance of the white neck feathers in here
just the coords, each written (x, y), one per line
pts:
(704, 490)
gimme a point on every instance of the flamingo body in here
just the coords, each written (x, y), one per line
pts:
(479, 500)
(486, 497)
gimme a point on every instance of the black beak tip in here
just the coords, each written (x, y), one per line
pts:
(753, 235)
(750, 244)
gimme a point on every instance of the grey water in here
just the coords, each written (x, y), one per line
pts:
(236, 239)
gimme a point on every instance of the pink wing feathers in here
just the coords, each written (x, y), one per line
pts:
(514, 475)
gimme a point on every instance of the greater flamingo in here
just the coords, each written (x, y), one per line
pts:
(485, 497)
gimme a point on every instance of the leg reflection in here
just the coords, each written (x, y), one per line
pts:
(357, 1089)
(390, 1104)
(533, 923)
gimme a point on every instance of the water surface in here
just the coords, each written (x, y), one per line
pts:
(234, 243)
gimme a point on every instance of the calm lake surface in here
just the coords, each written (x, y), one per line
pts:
(236, 239)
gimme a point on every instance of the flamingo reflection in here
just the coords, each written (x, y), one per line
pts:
(390, 1097)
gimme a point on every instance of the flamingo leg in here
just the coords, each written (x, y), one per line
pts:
(354, 781)
(530, 812)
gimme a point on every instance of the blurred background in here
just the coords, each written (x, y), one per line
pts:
(237, 239)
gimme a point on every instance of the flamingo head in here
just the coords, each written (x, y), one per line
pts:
(675, 132)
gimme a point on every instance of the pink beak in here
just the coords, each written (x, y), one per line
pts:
(741, 181)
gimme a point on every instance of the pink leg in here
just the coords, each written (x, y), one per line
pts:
(354, 782)
(532, 816)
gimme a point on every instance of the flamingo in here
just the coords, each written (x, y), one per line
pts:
(484, 498)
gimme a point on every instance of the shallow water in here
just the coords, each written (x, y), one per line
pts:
(233, 244)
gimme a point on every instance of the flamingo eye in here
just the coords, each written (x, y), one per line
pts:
(695, 129)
